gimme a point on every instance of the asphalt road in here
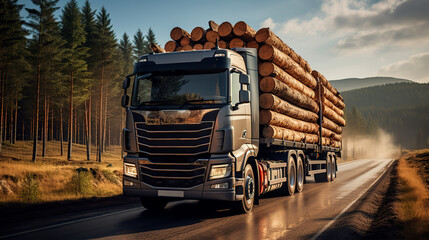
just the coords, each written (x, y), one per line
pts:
(302, 216)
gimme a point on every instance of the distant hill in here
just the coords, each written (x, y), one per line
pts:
(401, 109)
(355, 83)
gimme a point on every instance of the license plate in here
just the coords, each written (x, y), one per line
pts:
(167, 193)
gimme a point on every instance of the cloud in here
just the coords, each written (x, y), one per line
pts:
(268, 23)
(415, 67)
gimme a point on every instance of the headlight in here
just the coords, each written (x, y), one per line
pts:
(220, 171)
(130, 170)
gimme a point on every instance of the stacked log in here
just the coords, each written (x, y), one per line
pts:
(292, 94)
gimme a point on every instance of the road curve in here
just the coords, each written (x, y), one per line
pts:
(301, 216)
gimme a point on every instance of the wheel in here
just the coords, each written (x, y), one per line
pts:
(300, 176)
(154, 204)
(246, 204)
(326, 176)
(290, 186)
(333, 167)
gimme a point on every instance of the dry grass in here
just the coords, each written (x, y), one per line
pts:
(413, 204)
(54, 173)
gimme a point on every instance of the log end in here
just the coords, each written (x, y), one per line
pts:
(240, 28)
(237, 42)
(197, 34)
(267, 84)
(266, 100)
(253, 44)
(211, 36)
(187, 48)
(266, 69)
(170, 46)
(177, 33)
(213, 25)
(262, 35)
(223, 44)
(225, 29)
(185, 41)
(198, 46)
(264, 117)
(266, 52)
(209, 45)
(268, 132)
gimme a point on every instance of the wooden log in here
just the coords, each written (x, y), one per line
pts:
(324, 81)
(333, 116)
(326, 123)
(237, 42)
(211, 36)
(223, 44)
(213, 26)
(271, 53)
(156, 49)
(178, 48)
(334, 99)
(187, 48)
(253, 44)
(209, 45)
(331, 105)
(270, 69)
(271, 102)
(330, 134)
(244, 31)
(271, 131)
(282, 90)
(268, 117)
(198, 46)
(198, 34)
(265, 35)
(177, 33)
(170, 46)
(225, 30)
(185, 41)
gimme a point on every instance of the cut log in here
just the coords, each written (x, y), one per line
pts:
(333, 116)
(282, 90)
(223, 44)
(271, 131)
(324, 81)
(271, 102)
(185, 41)
(268, 117)
(334, 99)
(331, 105)
(270, 69)
(187, 48)
(253, 44)
(178, 48)
(326, 123)
(177, 33)
(213, 26)
(156, 49)
(225, 30)
(237, 42)
(198, 46)
(211, 36)
(209, 45)
(271, 53)
(244, 31)
(198, 34)
(265, 35)
(330, 134)
(170, 46)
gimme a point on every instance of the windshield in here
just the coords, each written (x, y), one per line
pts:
(180, 90)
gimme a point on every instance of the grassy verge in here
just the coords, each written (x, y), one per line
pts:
(413, 203)
(53, 178)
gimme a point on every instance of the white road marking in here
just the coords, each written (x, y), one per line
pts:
(348, 206)
(70, 222)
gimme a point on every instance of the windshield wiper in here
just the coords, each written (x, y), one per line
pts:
(201, 100)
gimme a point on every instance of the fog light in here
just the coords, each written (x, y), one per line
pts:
(128, 183)
(130, 170)
(219, 185)
(220, 171)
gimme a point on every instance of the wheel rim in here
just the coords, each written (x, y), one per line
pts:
(300, 176)
(250, 189)
(328, 168)
(333, 171)
(292, 176)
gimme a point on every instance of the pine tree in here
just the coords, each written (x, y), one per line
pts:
(150, 38)
(126, 49)
(76, 67)
(104, 50)
(46, 51)
(139, 44)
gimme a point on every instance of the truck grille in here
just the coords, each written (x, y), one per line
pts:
(173, 175)
(174, 139)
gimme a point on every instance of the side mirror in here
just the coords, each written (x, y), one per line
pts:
(244, 96)
(126, 83)
(125, 100)
(244, 79)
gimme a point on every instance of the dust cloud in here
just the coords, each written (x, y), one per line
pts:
(379, 146)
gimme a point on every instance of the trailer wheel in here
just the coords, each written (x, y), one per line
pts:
(246, 204)
(290, 185)
(334, 169)
(300, 176)
(154, 204)
(326, 176)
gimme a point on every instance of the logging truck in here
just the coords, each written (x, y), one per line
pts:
(193, 132)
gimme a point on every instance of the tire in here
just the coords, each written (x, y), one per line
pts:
(246, 204)
(154, 204)
(326, 176)
(333, 167)
(290, 186)
(300, 175)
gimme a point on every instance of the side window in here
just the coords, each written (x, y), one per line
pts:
(235, 88)
(142, 91)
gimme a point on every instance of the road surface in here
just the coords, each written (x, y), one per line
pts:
(302, 216)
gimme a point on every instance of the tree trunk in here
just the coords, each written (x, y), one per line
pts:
(213, 25)
(23, 130)
(5, 125)
(61, 130)
(36, 117)
(11, 125)
(244, 31)
(331, 105)
(267, 117)
(87, 132)
(100, 115)
(105, 120)
(332, 115)
(45, 120)
(330, 134)
(281, 59)
(70, 132)
(198, 34)
(271, 102)
(331, 126)
(177, 33)
(2, 78)
(287, 134)
(266, 36)
(89, 128)
(52, 120)
(280, 89)
(15, 125)
(270, 69)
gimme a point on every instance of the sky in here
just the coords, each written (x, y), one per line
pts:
(339, 38)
